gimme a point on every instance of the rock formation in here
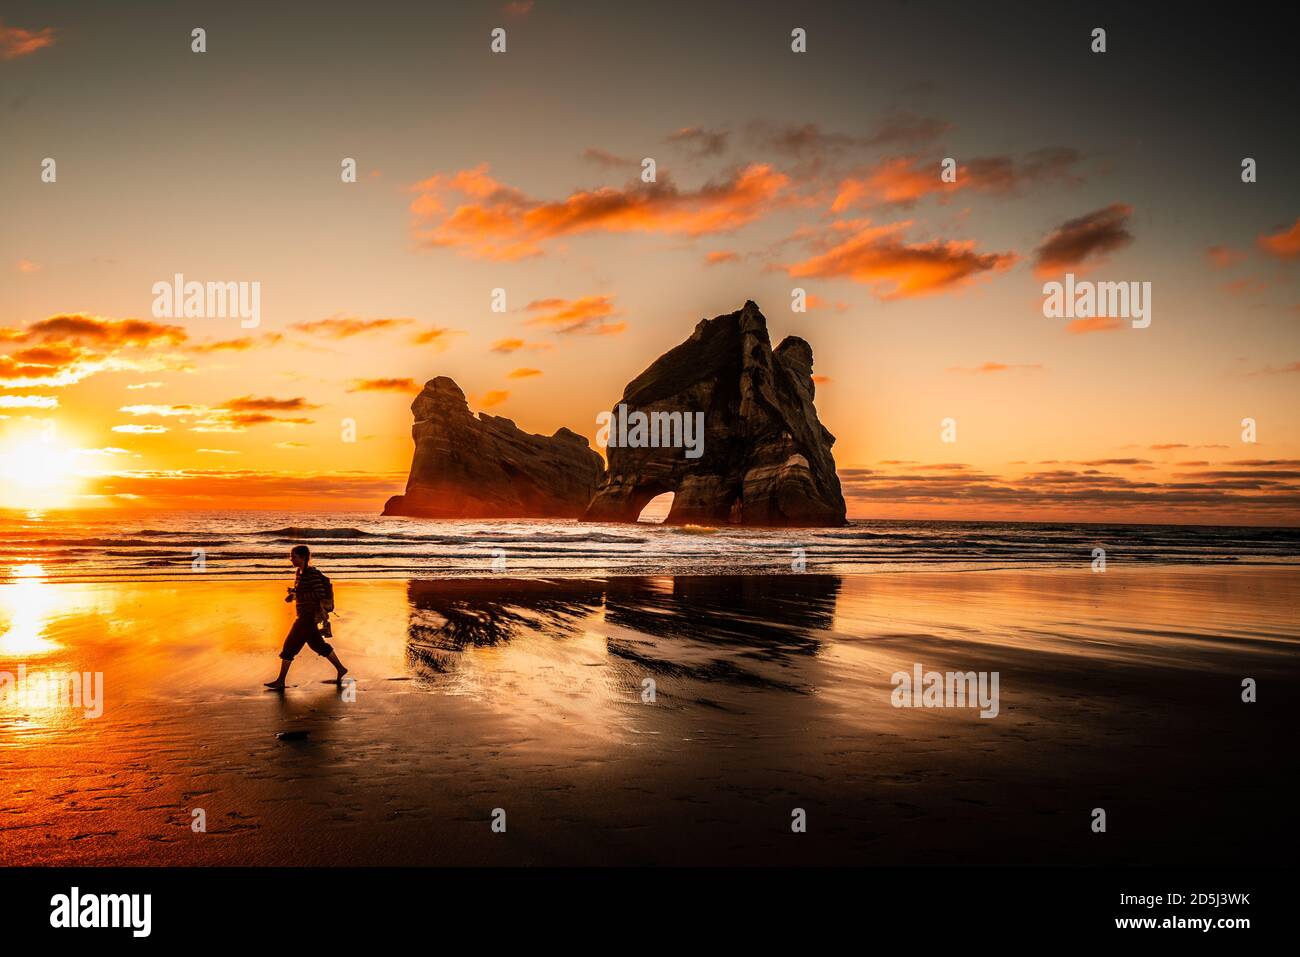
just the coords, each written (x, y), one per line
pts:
(766, 459)
(487, 467)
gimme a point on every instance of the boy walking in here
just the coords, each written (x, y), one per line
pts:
(308, 592)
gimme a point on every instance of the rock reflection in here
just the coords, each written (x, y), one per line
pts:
(713, 628)
(449, 615)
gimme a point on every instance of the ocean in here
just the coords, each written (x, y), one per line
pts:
(144, 546)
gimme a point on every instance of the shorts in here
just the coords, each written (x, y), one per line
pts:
(304, 632)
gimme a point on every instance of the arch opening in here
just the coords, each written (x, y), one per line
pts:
(656, 510)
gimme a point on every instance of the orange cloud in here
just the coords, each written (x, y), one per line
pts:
(1081, 327)
(434, 335)
(236, 345)
(1245, 286)
(25, 369)
(878, 256)
(507, 346)
(384, 385)
(589, 315)
(220, 420)
(16, 42)
(55, 355)
(1284, 244)
(344, 327)
(815, 302)
(62, 350)
(77, 327)
(904, 180)
(233, 416)
(250, 403)
(897, 181)
(989, 367)
(524, 373)
(27, 266)
(1222, 257)
(493, 398)
(65, 349)
(493, 221)
(722, 256)
(248, 488)
(1085, 240)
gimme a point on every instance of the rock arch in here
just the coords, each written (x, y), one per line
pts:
(766, 458)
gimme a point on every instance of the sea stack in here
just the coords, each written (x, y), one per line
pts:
(487, 467)
(765, 459)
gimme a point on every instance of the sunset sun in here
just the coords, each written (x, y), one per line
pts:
(37, 472)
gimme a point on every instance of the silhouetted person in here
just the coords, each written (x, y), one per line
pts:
(312, 593)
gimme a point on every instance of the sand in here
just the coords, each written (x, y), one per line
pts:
(1119, 690)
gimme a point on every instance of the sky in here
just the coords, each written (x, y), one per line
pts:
(774, 170)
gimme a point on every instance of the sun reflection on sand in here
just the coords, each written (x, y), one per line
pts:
(26, 606)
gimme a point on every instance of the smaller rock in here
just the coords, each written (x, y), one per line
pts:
(484, 466)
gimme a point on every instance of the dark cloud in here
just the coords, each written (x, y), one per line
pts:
(1253, 490)
(1085, 239)
(700, 142)
(605, 158)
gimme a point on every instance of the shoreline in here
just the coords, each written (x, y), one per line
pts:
(357, 547)
(24, 515)
(848, 570)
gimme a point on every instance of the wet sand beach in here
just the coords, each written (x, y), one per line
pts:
(1119, 690)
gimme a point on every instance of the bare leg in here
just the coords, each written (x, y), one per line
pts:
(278, 683)
(334, 660)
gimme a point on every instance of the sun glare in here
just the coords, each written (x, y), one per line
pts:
(26, 604)
(37, 473)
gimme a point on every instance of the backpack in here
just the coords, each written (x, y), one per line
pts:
(327, 593)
